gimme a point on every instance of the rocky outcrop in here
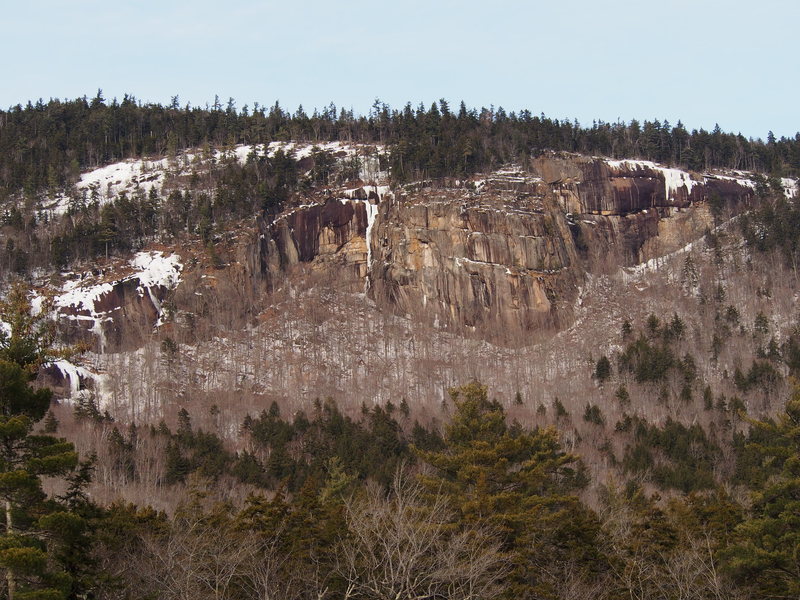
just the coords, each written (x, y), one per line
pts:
(117, 312)
(590, 185)
(502, 255)
(452, 256)
(499, 261)
(66, 379)
(328, 236)
(628, 212)
(117, 318)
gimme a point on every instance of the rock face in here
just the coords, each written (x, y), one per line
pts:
(501, 259)
(501, 256)
(329, 235)
(629, 211)
(118, 313)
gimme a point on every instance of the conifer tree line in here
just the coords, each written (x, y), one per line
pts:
(45, 145)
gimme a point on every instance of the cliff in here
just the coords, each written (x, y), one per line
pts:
(500, 258)
(501, 255)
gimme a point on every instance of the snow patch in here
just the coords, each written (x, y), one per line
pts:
(674, 179)
(636, 271)
(789, 187)
(151, 270)
(81, 298)
(379, 190)
(155, 269)
(73, 374)
(654, 263)
(37, 303)
(104, 183)
(739, 178)
(291, 212)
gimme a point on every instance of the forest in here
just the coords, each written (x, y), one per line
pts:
(46, 145)
(381, 506)
(325, 502)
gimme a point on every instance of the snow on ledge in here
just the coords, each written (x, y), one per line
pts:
(674, 179)
(73, 373)
(151, 269)
(155, 269)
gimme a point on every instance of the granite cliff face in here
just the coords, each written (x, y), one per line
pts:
(117, 312)
(331, 235)
(496, 258)
(499, 257)
(628, 212)
(502, 255)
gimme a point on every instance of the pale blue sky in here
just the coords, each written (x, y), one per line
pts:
(702, 61)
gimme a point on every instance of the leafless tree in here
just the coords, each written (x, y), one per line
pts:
(195, 558)
(691, 573)
(401, 546)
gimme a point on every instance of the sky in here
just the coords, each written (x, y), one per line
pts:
(701, 61)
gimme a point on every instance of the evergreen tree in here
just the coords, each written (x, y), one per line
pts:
(766, 553)
(39, 533)
(518, 483)
(602, 370)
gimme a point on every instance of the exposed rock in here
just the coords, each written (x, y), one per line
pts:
(120, 319)
(327, 236)
(65, 379)
(627, 212)
(118, 314)
(501, 256)
(498, 261)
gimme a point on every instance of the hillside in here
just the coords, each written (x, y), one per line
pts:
(277, 326)
(368, 293)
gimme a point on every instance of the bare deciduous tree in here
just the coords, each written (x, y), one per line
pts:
(401, 546)
(198, 557)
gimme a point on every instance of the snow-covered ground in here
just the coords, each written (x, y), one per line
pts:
(131, 176)
(103, 184)
(78, 299)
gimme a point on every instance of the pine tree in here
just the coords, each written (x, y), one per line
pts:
(767, 551)
(50, 423)
(519, 483)
(602, 370)
(34, 526)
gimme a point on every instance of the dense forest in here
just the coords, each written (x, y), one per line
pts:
(383, 507)
(47, 144)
